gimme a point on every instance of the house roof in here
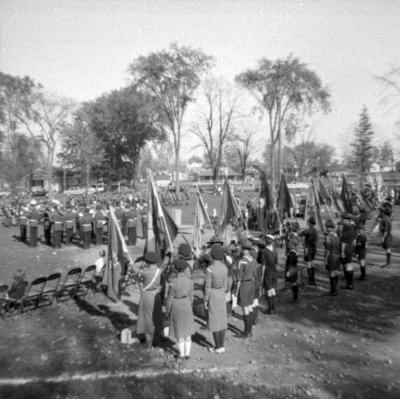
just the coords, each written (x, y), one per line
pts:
(39, 174)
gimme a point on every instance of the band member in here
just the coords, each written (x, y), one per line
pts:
(69, 224)
(99, 220)
(86, 226)
(23, 223)
(33, 220)
(131, 225)
(58, 226)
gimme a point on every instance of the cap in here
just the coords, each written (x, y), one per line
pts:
(151, 257)
(330, 224)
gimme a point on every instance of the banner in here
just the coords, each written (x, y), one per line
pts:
(201, 218)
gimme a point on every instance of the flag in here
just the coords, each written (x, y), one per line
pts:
(200, 219)
(335, 197)
(284, 201)
(265, 192)
(229, 212)
(161, 228)
(117, 258)
(346, 196)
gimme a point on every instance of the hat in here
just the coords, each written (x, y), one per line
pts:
(311, 220)
(214, 240)
(269, 238)
(151, 257)
(185, 251)
(330, 224)
(246, 244)
(181, 265)
(217, 252)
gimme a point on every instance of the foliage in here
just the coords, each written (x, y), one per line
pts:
(172, 76)
(363, 149)
(281, 88)
(386, 153)
(125, 120)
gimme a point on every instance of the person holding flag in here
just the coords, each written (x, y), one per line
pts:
(310, 248)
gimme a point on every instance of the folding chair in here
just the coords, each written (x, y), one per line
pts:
(16, 295)
(50, 288)
(70, 285)
(3, 300)
(33, 295)
(86, 281)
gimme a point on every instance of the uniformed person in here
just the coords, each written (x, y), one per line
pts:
(99, 221)
(131, 224)
(291, 269)
(144, 218)
(58, 226)
(347, 239)
(216, 287)
(331, 256)
(247, 276)
(69, 225)
(23, 223)
(33, 220)
(310, 248)
(361, 251)
(86, 227)
(385, 229)
(269, 259)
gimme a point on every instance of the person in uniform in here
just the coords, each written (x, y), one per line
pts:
(331, 256)
(86, 227)
(58, 226)
(150, 316)
(361, 251)
(120, 216)
(23, 224)
(46, 218)
(144, 218)
(291, 269)
(269, 259)
(347, 238)
(69, 225)
(99, 221)
(131, 225)
(216, 287)
(310, 248)
(385, 229)
(33, 220)
(247, 276)
(179, 309)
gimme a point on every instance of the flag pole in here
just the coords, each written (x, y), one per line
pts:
(161, 212)
(202, 204)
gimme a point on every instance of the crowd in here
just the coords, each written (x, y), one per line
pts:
(246, 271)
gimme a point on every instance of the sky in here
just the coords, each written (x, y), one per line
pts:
(82, 49)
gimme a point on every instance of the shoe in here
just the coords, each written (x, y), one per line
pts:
(220, 350)
(211, 349)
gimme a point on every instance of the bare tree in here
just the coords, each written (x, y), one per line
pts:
(214, 123)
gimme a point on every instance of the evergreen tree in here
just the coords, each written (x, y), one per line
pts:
(362, 146)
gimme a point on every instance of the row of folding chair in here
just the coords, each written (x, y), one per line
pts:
(43, 290)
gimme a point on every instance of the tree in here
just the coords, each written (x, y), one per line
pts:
(386, 153)
(126, 120)
(240, 149)
(172, 76)
(363, 149)
(214, 122)
(281, 88)
(81, 148)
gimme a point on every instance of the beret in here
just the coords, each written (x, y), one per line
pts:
(217, 253)
(181, 265)
(151, 257)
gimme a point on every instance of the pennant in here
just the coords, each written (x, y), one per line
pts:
(284, 202)
(117, 260)
(161, 228)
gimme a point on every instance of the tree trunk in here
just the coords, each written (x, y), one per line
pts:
(87, 175)
(50, 172)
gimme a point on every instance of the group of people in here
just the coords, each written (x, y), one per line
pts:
(77, 222)
(244, 272)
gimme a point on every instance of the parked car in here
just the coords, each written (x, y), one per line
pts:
(75, 191)
(38, 191)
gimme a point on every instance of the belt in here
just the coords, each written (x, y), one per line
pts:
(58, 222)
(243, 281)
(180, 297)
(86, 224)
(216, 288)
(152, 289)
